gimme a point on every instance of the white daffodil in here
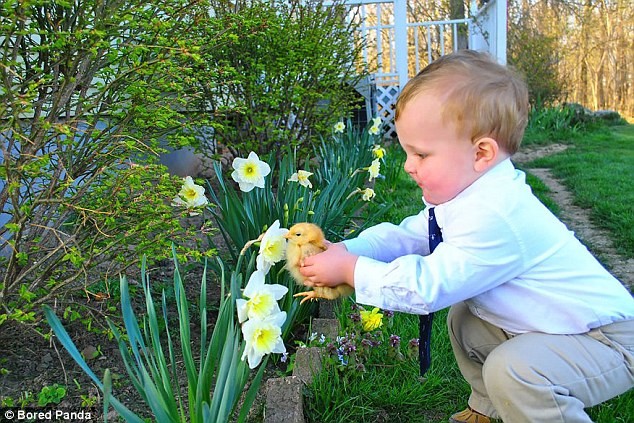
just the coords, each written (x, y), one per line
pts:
(249, 172)
(378, 151)
(262, 298)
(191, 195)
(374, 130)
(376, 121)
(374, 169)
(272, 247)
(368, 194)
(301, 176)
(263, 336)
(339, 127)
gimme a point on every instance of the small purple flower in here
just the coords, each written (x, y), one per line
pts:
(412, 347)
(331, 348)
(284, 357)
(374, 339)
(388, 313)
(348, 348)
(395, 341)
(355, 317)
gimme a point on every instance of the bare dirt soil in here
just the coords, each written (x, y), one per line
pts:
(31, 362)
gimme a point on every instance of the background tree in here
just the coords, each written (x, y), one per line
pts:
(534, 53)
(588, 44)
(457, 10)
(428, 11)
(293, 63)
(570, 51)
(89, 92)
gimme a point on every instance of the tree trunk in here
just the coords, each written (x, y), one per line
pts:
(457, 11)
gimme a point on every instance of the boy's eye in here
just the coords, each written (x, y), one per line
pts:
(421, 155)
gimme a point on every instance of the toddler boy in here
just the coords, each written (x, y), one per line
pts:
(539, 328)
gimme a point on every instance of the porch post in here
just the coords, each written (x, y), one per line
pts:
(501, 23)
(400, 36)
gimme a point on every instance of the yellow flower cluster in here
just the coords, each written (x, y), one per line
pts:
(371, 319)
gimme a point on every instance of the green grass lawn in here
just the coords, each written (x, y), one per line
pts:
(599, 170)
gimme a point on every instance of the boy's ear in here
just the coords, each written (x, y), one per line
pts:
(487, 152)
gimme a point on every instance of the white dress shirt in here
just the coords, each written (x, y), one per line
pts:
(503, 252)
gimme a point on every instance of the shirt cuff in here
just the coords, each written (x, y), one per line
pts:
(374, 285)
(365, 289)
(359, 247)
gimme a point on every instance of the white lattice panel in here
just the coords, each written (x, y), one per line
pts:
(386, 100)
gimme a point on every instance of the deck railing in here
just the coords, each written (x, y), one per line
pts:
(396, 46)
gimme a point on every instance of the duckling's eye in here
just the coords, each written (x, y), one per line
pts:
(298, 234)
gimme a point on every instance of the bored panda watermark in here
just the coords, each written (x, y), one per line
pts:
(41, 415)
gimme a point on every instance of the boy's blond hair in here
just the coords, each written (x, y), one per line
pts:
(482, 97)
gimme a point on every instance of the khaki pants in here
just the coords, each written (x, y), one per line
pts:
(537, 377)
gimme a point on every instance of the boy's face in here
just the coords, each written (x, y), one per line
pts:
(439, 160)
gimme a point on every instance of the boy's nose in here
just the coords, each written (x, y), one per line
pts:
(407, 166)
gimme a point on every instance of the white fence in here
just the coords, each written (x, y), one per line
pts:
(396, 46)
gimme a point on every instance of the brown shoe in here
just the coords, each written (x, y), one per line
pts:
(469, 416)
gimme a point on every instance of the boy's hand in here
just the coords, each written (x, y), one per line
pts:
(330, 268)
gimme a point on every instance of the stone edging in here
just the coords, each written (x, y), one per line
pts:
(284, 399)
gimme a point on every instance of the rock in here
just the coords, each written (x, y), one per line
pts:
(607, 115)
(327, 309)
(307, 363)
(284, 402)
(89, 352)
(182, 162)
(329, 328)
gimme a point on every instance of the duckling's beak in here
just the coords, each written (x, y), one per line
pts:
(288, 235)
